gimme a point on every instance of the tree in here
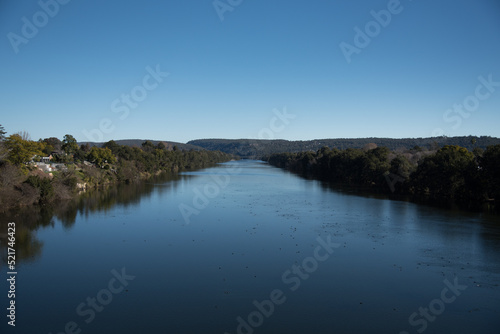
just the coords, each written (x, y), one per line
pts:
(113, 146)
(448, 174)
(490, 165)
(53, 142)
(2, 133)
(399, 173)
(148, 146)
(47, 149)
(44, 186)
(3, 150)
(160, 146)
(9, 175)
(24, 135)
(22, 151)
(375, 165)
(401, 166)
(70, 146)
(99, 156)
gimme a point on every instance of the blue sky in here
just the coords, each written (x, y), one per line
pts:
(228, 78)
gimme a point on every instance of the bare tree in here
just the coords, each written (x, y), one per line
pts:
(24, 135)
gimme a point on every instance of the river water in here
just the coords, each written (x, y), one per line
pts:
(248, 248)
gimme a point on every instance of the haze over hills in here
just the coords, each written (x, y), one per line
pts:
(257, 148)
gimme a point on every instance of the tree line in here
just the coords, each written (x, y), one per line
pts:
(450, 174)
(257, 148)
(80, 167)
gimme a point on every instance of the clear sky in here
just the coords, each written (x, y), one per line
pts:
(84, 67)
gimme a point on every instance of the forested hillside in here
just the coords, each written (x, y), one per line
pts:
(254, 148)
(138, 142)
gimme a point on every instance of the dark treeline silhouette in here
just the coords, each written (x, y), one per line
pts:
(451, 174)
(257, 148)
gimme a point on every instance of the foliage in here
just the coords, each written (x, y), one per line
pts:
(490, 168)
(448, 174)
(451, 174)
(69, 144)
(22, 151)
(52, 144)
(259, 148)
(100, 156)
(350, 166)
(2, 133)
(114, 162)
(3, 149)
(44, 186)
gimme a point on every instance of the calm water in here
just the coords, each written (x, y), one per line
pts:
(248, 248)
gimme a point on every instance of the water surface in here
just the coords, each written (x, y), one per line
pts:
(206, 251)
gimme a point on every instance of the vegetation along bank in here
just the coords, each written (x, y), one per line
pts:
(451, 174)
(39, 172)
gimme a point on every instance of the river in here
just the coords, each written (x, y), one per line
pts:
(244, 247)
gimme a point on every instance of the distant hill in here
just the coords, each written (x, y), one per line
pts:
(138, 142)
(256, 148)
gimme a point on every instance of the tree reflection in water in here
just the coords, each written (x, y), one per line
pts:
(30, 219)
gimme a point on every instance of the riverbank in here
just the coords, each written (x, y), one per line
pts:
(36, 183)
(451, 175)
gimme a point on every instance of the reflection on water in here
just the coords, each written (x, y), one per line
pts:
(30, 219)
(247, 242)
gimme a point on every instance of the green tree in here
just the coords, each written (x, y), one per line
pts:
(148, 146)
(401, 166)
(100, 156)
(69, 144)
(490, 169)
(44, 186)
(399, 174)
(160, 146)
(448, 174)
(3, 149)
(22, 151)
(2, 133)
(48, 149)
(53, 143)
(113, 146)
(374, 166)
